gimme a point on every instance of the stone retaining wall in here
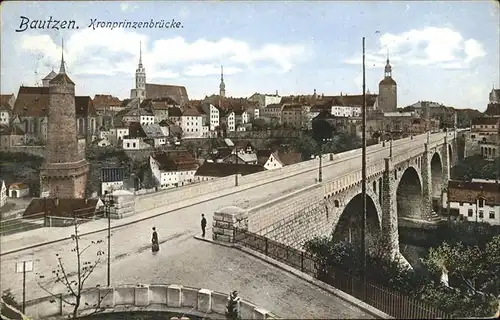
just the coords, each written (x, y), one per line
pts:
(176, 298)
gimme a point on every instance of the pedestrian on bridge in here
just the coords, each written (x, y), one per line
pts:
(203, 225)
(154, 241)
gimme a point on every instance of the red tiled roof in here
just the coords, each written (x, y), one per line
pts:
(493, 109)
(105, 100)
(191, 112)
(288, 158)
(62, 78)
(84, 107)
(174, 112)
(61, 207)
(177, 93)
(135, 130)
(176, 160)
(32, 102)
(465, 191)
(486, 120)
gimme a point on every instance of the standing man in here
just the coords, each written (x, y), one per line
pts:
(203, 225)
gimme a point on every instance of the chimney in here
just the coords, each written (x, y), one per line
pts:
(276, 92)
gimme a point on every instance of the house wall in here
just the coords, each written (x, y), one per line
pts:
(131, 144)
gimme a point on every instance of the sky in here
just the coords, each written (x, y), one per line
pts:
(443, 51)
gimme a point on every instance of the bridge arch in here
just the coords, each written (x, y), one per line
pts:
(409, 194)
(349, 225)
(436, 175)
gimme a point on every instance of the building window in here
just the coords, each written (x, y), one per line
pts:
(492, 214)
(481, 214)
(469, 213)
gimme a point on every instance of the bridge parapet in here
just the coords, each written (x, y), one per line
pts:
(149, 297)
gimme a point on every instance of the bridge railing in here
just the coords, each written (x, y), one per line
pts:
(392, 303)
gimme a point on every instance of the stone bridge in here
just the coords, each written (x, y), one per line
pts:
(402, 184)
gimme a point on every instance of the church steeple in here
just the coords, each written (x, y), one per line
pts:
(140, 79)
(222, 86)
(62, 69)
(140, 54)
(388, 68)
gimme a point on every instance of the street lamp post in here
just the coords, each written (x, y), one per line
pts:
(320, 169)
(109, 202)
(23, 267)
(390, 147)
(363, 176)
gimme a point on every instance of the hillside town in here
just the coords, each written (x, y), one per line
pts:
(158, 120)
(70, 159)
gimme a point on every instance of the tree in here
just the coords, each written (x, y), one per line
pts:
(474, 278)
(321, 130)
(232, 308)
(260, 124)
(75, 287)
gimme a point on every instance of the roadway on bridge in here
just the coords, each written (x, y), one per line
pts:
(175, 228)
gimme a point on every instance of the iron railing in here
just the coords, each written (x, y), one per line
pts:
(392, 303)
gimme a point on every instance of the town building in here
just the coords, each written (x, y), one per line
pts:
(262, 100)
(211, 170)
(3, 193)
(18, 190)
(476, 201)
(64, 172)
(191, 123)
(292, 116)
(86, 118)
(112, 179)
(8, 100)
(237, 119)
(140, 115)
(173, 168)
(135, 140)
(106, 106)
(159, 107)
(275, 160)
(387, 91)
(11, 136)
(155, 136)
(272, 113)
(5, 114)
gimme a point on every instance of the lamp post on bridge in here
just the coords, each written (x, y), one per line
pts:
(23, 267)
(320, 168)
(363, 176)
(108, 203)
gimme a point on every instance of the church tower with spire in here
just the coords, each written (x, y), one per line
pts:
(64, 172)
(140, 79)
(222, 85)
(387, 92)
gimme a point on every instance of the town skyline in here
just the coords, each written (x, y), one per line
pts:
(264, 52)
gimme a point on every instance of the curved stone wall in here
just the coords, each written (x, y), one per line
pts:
(153, 297)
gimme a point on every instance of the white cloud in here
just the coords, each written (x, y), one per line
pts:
(201, 70)
(442, 47)
(115, 52)
(126, 7)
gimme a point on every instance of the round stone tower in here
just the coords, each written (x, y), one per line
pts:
(64, 173)
(387, 91)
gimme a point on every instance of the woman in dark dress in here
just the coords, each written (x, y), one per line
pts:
(154, 241)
